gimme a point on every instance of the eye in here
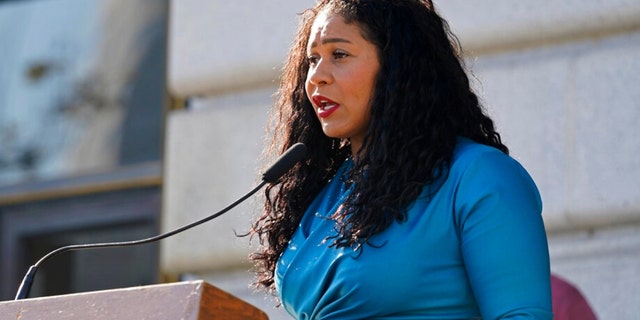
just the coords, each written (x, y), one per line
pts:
(312, 59)
(339, 54)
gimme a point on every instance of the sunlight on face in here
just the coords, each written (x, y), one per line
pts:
(340, 82)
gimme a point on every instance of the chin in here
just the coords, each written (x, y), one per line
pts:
(333, 134)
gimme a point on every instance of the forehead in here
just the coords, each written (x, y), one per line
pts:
(328, 25)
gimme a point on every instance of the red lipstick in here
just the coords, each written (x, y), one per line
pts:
(325, 106)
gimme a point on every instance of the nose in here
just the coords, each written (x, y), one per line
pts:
(319, 74)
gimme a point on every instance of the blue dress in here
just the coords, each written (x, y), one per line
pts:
(476, 250)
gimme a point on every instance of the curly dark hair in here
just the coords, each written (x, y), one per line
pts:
(422, 102)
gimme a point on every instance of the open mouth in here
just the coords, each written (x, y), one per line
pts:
(325, 106)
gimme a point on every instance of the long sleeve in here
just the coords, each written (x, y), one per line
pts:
(503, 239)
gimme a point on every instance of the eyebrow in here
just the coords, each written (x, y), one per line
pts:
(330, 40)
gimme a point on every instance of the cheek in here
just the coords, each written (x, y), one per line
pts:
(365, 91)
(363, 81)
(308, 88)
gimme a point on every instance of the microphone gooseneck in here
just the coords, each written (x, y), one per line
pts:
(293, 155)
(285, 162)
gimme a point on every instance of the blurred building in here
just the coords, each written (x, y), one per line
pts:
(558, 76)
(82, 105)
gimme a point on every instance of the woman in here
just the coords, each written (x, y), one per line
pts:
(408, 206)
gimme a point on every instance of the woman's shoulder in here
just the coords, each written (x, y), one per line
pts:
(468, 151)
(471, 157)
(489, 183)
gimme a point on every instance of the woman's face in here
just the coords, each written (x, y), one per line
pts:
(340, 80)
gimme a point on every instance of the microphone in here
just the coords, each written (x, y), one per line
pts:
(285, 162)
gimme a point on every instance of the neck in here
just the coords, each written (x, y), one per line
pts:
(355, 147)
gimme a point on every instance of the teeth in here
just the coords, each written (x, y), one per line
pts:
(325, 104)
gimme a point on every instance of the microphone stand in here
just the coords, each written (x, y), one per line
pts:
(271, 175)
(27, 281)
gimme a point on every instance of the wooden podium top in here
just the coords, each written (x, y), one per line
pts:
(188, 300)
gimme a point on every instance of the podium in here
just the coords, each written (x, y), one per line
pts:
(187, 300)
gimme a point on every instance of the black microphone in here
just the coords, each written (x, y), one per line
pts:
(285, 162)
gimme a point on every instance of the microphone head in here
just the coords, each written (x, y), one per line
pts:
(287, 160)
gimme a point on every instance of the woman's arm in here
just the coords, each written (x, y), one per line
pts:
(503, 240)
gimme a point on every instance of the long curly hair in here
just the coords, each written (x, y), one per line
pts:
(422, 102)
